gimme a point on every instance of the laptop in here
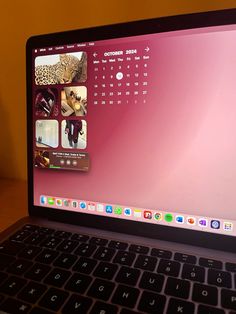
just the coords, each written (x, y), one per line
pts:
(131, 171)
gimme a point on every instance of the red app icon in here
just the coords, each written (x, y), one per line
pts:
(147, 214)
(191, 221)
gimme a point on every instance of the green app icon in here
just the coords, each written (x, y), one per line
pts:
(118, 211)
(168, 217)
(51, 200)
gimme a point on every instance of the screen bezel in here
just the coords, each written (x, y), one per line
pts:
(158, 25)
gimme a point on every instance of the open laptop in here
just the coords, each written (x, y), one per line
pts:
(131, 171)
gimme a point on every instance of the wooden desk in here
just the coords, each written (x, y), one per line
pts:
(13, 201)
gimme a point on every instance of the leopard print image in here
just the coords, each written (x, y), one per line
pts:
(70, 68)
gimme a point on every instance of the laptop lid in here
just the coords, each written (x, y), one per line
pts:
(131, 128)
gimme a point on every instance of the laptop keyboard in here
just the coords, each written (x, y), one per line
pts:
(46, 271)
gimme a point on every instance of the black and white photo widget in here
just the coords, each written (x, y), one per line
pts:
(46, 133)
(74, 134)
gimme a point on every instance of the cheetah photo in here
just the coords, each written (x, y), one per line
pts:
(61, 69)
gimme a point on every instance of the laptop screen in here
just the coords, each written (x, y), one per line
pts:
(139, 128)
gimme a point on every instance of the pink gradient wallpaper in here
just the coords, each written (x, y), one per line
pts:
(175, 148)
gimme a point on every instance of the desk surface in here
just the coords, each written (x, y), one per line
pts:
(13, 201)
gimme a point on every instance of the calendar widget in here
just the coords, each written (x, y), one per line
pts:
(120, 76)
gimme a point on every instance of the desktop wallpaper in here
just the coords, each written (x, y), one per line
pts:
(170, 142)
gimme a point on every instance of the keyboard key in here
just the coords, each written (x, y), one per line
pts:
(20, 235)
(152, 303)
(78, 283)
(101, 289)
(103, 308)
(30, 252)
(57, 277)
(30, 228)
(35, 238)
(14, 306)
(180, 307)
(128, 275)
(38, 272)
(126, 311)
(205, 294)
(125, 296)
(51, 242)
(98, 241)
(65, 260)
(46, 256)
(228, 299)
(62, 234)
(151, 281)
(169, 268)
(161, 253)
(211, 263)
(146, 262)
(118, 245)
(177, 288)
(194, 273)
(185, 258)
(80, 237)
(11, 248)
(54, 299)
(5, 261)
(203, 309)
(67, 246)
(124, 258)
(38, 310)
(104, 254)
(85, 249)
(138, 249)
(45, 230)
(32, 292)
(231, 267)
(19, 267)
(219, 278)
(77, 304)
(105, 270)
(85, 265)
(12, 285)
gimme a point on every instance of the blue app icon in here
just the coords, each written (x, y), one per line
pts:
(109, 209)
(82, 205)
(179, 219)
(215, 224)
(127, 212)
(43, 200)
